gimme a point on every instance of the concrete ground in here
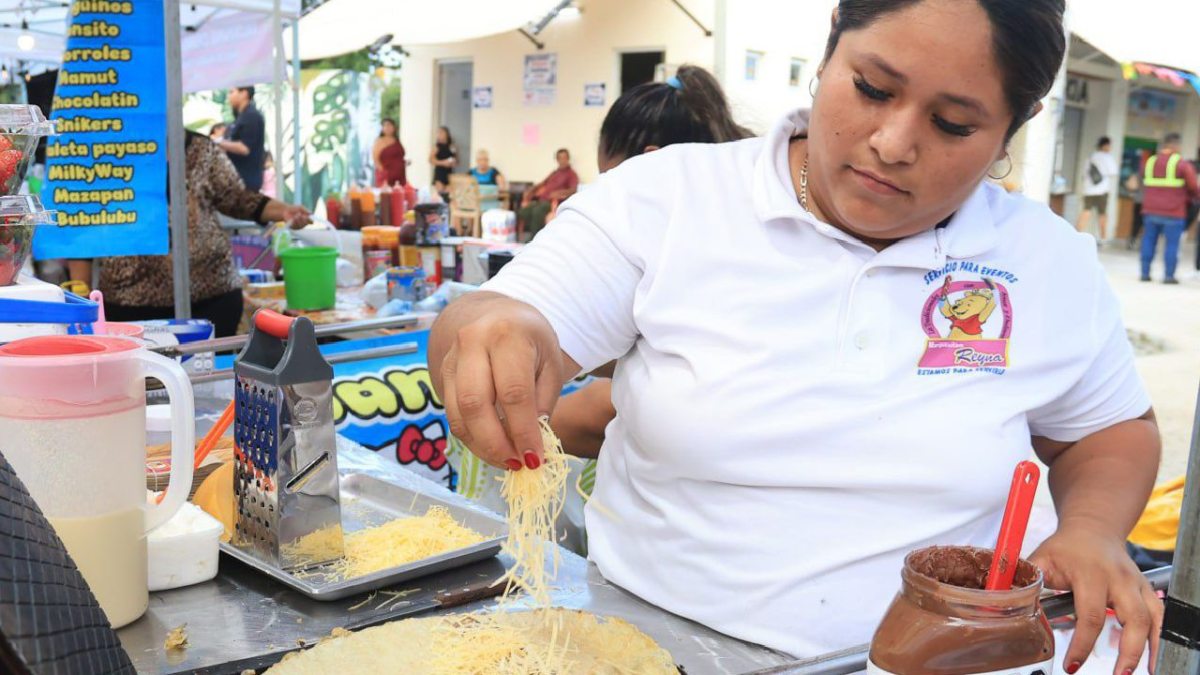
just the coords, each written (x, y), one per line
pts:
(1165, 324)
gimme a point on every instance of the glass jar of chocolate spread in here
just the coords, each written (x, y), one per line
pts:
(943, 623)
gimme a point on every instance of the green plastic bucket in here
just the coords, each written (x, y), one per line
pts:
(310, 277)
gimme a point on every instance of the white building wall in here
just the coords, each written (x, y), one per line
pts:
(1032, 149)
(780, 31)
(588, 50)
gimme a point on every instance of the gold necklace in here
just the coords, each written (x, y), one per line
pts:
(804, 184)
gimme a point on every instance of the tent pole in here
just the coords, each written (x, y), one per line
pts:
(176, 165)
(280, 58)
(1180, 650)
(297, 144)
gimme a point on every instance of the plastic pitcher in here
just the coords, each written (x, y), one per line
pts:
(73, 421)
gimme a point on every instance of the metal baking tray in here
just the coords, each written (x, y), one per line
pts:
(367, 502)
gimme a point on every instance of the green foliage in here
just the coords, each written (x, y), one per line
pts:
(12, 93)
(359, 61)
(389, 105)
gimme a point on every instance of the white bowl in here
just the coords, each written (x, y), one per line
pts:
(184, 550)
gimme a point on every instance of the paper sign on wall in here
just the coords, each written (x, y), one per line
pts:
(106, 171)
(593, 95)
(541, 79)
(531, 134)
(481, 98)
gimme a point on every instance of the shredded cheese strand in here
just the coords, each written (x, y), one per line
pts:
(535, 499)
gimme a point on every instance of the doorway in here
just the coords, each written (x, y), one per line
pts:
(639, 68)
(455, 80)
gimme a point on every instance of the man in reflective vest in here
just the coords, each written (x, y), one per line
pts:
(1169, 183)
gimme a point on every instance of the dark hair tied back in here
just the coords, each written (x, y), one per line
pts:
(660, 114)
(1027, 38)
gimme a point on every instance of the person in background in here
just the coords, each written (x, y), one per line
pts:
(1134, 187)
(217, 132)
(139, 288)
(245, 139)
(1168, 183)
(537, 202)
(391, 166)
(443, 157)
(268, 187)
(491, 182)
(1195, 219)
(688, 108)
(485, 173)
(1097, 184)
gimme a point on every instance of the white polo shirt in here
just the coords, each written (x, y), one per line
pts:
(795, 410)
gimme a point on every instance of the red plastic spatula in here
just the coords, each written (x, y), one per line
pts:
(1012, 528)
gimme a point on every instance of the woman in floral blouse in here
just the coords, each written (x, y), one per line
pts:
(138, 288)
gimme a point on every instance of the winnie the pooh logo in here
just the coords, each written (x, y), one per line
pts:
(970, 341)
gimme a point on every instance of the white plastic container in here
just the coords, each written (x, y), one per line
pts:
(184, 550)
(29, 288)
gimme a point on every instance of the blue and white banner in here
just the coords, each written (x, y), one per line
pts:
(106, 171)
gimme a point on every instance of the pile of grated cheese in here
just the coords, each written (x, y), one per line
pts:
(508, 640)
(397, 542)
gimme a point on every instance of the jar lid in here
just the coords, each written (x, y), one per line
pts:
(65, 349)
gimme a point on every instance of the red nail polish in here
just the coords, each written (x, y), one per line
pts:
(1128, 671)
(512, 464)
(532, 461)
(1073, 667)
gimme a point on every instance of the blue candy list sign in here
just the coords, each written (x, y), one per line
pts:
(106, 171)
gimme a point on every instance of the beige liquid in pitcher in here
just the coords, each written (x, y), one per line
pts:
(110, 552)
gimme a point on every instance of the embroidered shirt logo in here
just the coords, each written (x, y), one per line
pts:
(964, 332)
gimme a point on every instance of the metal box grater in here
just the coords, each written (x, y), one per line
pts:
(285, 456)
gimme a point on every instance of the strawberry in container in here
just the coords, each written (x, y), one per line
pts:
(20, 215)
(21, 128)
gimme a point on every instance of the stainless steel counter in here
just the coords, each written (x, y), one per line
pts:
(242, 614)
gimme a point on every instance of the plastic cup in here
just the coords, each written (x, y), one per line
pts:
(133, 331)
(310, 277)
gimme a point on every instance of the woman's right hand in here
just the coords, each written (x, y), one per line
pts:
(499, 368)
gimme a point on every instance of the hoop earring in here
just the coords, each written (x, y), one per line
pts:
(811, 88)
(1007, 158)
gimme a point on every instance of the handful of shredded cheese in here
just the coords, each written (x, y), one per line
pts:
(535, 499)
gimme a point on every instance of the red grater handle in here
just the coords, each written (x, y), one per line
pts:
(273, 323)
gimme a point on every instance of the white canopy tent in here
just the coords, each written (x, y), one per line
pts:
(341, 26)
(46, 22)
(1161, 32)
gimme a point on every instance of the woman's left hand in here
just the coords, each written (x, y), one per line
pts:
(1095, 567)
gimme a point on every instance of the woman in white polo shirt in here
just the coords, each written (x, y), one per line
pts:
(833, 344)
